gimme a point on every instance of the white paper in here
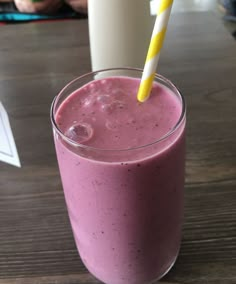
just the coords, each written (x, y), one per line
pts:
(8, 151)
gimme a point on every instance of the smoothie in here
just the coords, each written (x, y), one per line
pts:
(122, 169)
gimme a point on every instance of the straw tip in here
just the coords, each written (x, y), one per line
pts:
(145, 88)
(141, 98)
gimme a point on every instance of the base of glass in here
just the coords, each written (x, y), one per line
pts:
(166, 271)
(169, 267)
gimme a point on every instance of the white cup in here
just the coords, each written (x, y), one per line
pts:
(120, 32)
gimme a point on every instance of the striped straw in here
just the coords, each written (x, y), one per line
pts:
(158, 36)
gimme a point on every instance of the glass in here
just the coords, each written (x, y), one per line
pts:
(115, 30)
(125, 205)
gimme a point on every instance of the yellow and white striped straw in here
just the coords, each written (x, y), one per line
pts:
(157, 39)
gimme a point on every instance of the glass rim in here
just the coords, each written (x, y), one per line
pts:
(79, 145)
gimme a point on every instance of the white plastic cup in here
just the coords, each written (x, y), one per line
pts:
(120, 32)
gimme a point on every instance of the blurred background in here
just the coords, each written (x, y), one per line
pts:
(225, 10)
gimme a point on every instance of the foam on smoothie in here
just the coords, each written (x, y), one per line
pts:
(105, 114)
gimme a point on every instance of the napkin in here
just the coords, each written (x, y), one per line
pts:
(8, 151)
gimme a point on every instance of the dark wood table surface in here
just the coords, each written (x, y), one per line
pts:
(36, 60)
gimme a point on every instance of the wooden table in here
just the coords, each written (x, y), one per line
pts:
(36, 60)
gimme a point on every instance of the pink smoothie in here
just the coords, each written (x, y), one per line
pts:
(125, 199)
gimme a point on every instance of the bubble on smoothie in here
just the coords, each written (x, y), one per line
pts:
(92, 87)
(107, 108)
(118, 93)
(107, 85)
(118, 105)
(104, 99)
(103, 82)
(130, 120)
(112, 125)
(88, 101)
(80, 132)
(111, 107)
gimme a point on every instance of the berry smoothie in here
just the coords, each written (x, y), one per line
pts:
(122, 168)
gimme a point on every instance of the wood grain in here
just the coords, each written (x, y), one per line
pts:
(36, 61)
